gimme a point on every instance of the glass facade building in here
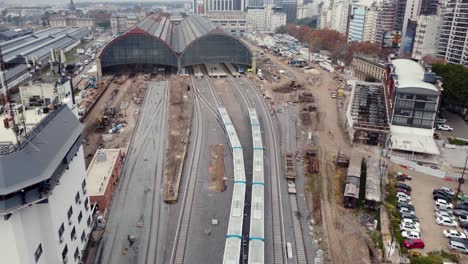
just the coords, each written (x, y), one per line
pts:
(415, 110)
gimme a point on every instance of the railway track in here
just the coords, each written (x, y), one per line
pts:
(178, 251)
(279, 242)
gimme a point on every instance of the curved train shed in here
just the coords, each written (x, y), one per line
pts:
(157, 40)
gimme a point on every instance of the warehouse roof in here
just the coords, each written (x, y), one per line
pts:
(100, 170)
(39, 43)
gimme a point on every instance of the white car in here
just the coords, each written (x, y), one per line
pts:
(410, 234)
(445, 221)
(444, 214)
(403, 195)
(445, 128)
(441, 203)
(409, 221)
(458, 246)
(449, 233)
(404, 200)
(409, 227)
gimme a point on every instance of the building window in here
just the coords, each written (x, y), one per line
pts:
(60, 231)
(80, 216)
(77, 197)
(83, 186)
(38, 253)
(73, 234)
(86, 203)
(65, 252)
(89, 221)
(83, 236)
(77, 254)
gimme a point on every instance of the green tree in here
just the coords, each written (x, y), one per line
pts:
(280, 30)
(103, 24)
(455, 83)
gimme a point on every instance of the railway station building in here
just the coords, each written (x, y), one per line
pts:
(157, 40)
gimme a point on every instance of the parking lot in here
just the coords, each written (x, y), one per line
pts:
(422, 187)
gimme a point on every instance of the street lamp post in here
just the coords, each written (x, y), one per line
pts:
(461, 180)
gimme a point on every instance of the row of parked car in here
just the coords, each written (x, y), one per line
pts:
(409, 225)
(447, 215)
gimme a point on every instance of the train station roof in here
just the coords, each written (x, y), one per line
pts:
(177, 35)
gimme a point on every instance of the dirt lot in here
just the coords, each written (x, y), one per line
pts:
(422, 186)
(125, 95)
(217, 167)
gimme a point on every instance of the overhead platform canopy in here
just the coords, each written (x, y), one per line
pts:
(412, 139)
(158, 40)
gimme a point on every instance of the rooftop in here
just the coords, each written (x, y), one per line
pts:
(411, 75)
(413, 139)
(100, 170)
(31, 118)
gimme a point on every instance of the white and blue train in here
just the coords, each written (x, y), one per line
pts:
(232, 249)
(257, 212)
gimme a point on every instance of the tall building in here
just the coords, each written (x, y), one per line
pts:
(453, 44)
(223, 5)
(254, 3)
(370, 24)
(385, 19)
(305, 11)
(339, 16)
(399, 14)
(233, 22)
(46, 213)
(324, 18)
(356, 23)
(290, 8)
(266, 19)
(121, 22)
(427, 36)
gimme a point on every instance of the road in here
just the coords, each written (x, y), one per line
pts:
(137, 206)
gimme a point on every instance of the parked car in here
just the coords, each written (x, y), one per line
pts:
(444, 214)
(444, 127)
(463, 218)
(409, 216)
(404, 200)
(442, 192)
(461, 206)
(405, 220)
(458, 212)
(403, 177)
(409, 227)
(403, 186)
(411, 234)
(445, 221)
(403, 191)
(403, 210)
(463, 196)
(447, 190)
(441, 203)
(442, 196)
(403, 195)
(333, 95)
(414, 243)
(449, 233)
(461, 240)
(458, 246)
(409, 206)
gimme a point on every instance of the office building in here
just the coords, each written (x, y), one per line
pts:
(290, 8)
(46, 213)
(225, 5)
(453, 44)
(356, 23)
(365, 67)
(233, 22)
(305, 10)
(385, 19)
(415, 96)
(121, 22)
(370, 24)
(340, 15)
(427, 36)
(72, 21)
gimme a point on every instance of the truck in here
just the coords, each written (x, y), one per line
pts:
(80, 51)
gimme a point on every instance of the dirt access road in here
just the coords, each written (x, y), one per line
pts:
(340, 230)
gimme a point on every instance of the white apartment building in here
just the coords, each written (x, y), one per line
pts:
(46, 213)
(234, 23)
(340, 16)
(265, 19)
(453, 44)
(370, 24)
(427, 36)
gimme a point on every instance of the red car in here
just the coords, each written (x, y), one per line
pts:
(414, 243)
(403, 191)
